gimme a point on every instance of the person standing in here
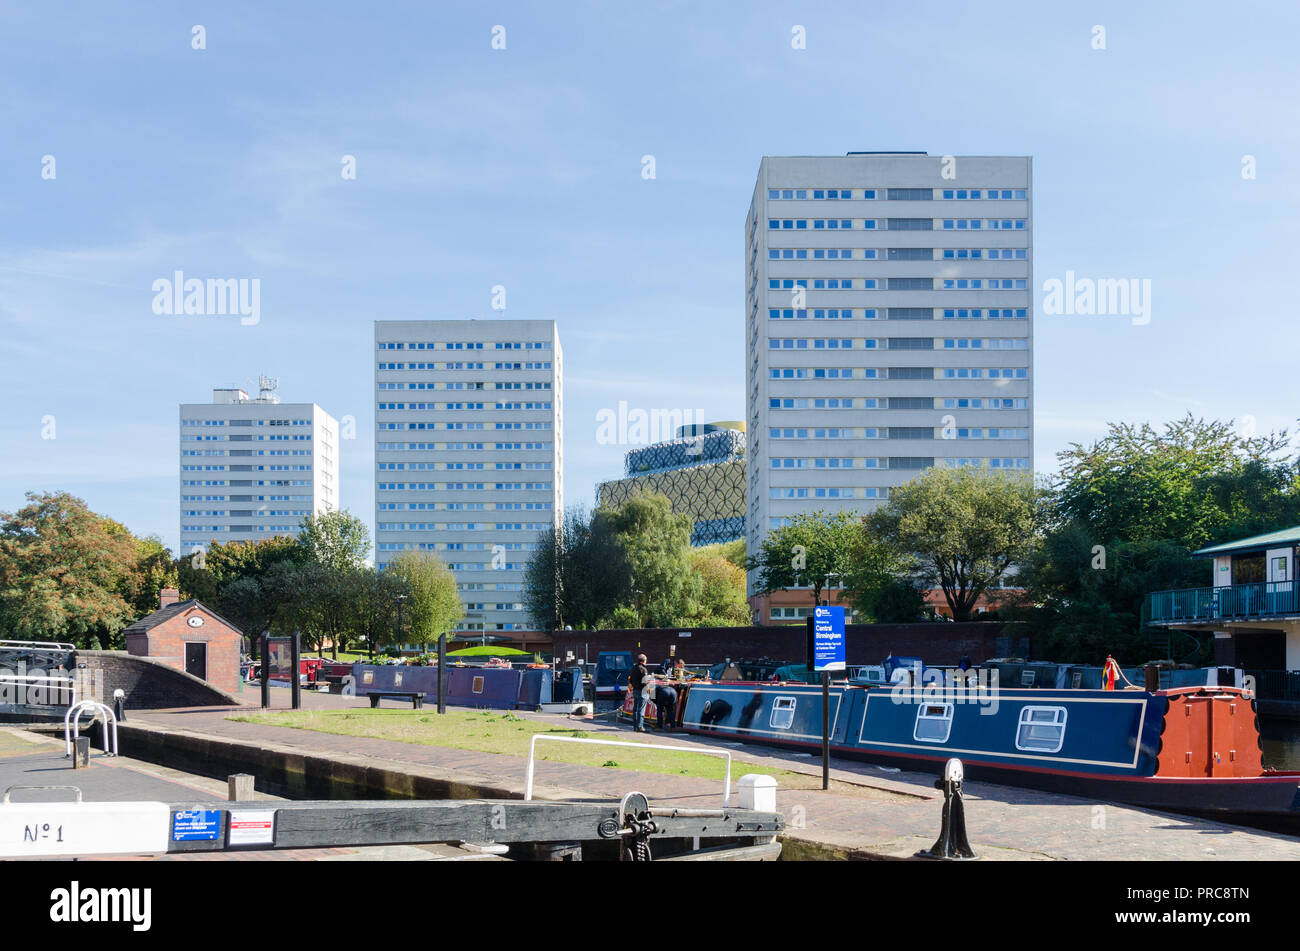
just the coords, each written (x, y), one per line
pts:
(637, 678)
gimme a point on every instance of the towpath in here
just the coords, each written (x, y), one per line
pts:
(868, 813)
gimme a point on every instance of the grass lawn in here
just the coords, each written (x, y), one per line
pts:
(496, 731)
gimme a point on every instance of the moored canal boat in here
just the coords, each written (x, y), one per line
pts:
(1184, 749)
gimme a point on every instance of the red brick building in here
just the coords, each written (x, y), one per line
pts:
(190, 637)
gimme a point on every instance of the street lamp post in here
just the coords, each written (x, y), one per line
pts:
(400, 599)
(826, 589)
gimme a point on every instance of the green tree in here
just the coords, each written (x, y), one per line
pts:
(812, 549)
(377, 606)
(1128, 511)
(202, 574)
(1193, 483)
(1087, 595)
(733, 551)
(1255, 497)
(655, 544)
(721, 601)
(325, 607)
(879, 581)
(962, 527)
(337, 541)
(154, 570)
(243, 603)
(63, 571)
(593, 577)
(287, 590)
(433, 605)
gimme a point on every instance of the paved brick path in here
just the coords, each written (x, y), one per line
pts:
(874, 813)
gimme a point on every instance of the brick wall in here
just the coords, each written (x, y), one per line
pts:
(166, 642)
(149, 683)
(936, 643)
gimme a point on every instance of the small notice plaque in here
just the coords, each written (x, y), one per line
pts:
(195, 824)
(251, 828)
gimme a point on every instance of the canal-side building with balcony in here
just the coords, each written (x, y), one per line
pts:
(1252, 604)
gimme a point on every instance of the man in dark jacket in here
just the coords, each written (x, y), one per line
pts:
(636, 680)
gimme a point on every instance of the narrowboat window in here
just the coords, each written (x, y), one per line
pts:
(478, 685)
(782, 713)
(933, 722)
(1041, 729)
(1027, 677)
(1076, 679)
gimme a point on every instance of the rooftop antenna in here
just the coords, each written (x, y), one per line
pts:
(266, 388)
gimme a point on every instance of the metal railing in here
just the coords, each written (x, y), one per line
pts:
(532, 750)
(1276, 684)
(1263, 599)
(36, 645)
(72, 724)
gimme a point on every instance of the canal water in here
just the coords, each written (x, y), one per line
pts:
(1281, 745)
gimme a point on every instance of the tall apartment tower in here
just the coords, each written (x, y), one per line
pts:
(253, 467)
(469, 454)
(889, 326)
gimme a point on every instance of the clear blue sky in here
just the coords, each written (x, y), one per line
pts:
(522, 167)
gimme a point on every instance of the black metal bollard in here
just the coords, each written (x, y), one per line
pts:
(952, 844)
(119, 704)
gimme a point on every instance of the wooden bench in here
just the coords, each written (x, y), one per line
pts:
(417, 699)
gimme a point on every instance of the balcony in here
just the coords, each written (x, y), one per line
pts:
(1238, 602)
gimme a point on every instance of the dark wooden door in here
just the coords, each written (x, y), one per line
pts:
(196, 660)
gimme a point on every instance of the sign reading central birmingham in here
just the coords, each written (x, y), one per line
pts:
(828, 638)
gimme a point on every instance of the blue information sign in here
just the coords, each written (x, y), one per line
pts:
(196, 824)
(828, 637)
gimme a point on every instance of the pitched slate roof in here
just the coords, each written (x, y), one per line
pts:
(150, 621)
(1279, 539)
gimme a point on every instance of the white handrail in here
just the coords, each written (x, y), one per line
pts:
(53, 683)
(532, 749)
(73, 730)
(39, 645)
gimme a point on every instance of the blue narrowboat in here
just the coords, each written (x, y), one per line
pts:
(500, 688)
(1185, 749)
